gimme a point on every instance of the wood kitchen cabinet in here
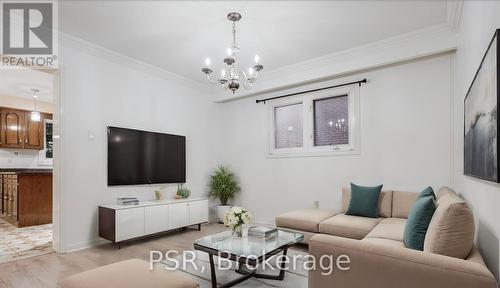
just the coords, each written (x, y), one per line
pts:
(18, 131)
(12, 128)
(33, 138)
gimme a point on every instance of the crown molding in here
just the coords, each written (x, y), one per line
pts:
(420, 43)
(454, 13)
(417, 44)
(66, 40)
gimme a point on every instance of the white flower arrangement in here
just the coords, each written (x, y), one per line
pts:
(237, 216)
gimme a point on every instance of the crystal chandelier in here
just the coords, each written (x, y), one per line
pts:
(231, 76)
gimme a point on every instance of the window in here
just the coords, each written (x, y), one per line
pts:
(288, 126)
(331, 125)
(315, 124)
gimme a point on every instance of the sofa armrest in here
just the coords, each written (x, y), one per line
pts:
(384, 266)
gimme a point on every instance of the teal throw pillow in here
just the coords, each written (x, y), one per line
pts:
(427, 192)
(364, 201)
(418, 221)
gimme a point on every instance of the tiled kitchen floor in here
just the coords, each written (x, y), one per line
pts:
(20, 243)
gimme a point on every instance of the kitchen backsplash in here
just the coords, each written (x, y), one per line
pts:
(12, 158)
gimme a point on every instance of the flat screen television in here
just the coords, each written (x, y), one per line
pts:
(142, 157)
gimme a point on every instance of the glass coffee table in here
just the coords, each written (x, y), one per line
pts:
(246, 250)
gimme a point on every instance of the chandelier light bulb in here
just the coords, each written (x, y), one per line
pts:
(207, 62)
(257, 59)
(250, 71)
(229, 52)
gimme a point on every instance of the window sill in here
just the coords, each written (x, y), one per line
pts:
(276, 155)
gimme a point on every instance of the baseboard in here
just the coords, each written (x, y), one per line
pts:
(84, 245)
(96, 242)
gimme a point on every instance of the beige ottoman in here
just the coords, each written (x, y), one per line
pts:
(128, 274)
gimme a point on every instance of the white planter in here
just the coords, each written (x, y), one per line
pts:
(221, 211)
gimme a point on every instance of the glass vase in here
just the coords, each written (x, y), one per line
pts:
(238, 231)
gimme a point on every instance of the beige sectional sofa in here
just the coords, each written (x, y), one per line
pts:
(378, 256)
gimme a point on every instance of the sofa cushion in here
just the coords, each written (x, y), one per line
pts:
(386, 242)
(384, 202)
(402, 202)
(364, 201)
(389, 228)
(354, 227)
(129, 274)
(418, 221)
(451, 231)
(304, 220)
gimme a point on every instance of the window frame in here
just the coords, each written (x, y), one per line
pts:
(272, 127)
(308, 149)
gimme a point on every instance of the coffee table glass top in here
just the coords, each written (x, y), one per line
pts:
(247, 245)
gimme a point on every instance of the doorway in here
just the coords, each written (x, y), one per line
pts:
(28, 109)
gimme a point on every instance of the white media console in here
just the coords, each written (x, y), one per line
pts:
(119, 223)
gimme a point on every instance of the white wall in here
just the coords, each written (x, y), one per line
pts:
(405, 122)
(478, 22)
(96, 92)
(405, 143)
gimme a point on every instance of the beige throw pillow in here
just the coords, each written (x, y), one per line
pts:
(451, 231)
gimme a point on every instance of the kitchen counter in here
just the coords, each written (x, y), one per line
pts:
(26, 170)
(26, 196)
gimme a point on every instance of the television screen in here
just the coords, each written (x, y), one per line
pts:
(142, 157)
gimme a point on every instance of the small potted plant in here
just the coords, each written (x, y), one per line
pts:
(182, 192)
(223, 185)
(235, 218)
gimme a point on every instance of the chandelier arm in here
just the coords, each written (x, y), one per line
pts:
(247, 85)
(252, 77)
(211, 79)
(246, 81)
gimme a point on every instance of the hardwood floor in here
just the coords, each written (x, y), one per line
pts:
(47, 270)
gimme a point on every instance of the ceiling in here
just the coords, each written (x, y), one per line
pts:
(19, 82)
(178, 35)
